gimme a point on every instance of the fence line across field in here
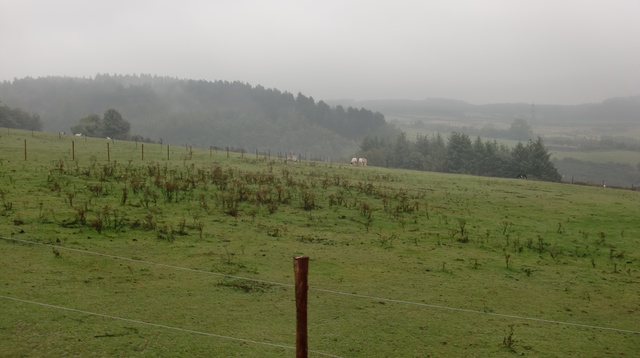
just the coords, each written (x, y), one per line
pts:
(369, 297)
(242, 152)
(284, 156)
(160, 325)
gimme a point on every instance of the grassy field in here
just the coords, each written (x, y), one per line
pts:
(189, 252)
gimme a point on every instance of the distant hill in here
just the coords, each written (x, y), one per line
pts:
(614, 111)
(200, 113)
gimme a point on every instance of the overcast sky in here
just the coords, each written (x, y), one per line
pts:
(480, 51)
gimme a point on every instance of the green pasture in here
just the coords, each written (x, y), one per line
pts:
(189, 252)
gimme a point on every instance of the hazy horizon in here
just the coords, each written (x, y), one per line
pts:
(493, 51)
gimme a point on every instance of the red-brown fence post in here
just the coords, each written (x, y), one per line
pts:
(301, 271)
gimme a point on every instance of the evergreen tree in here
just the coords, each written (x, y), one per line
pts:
(497, 159)
(415, 161)
(479, 162)
(422, 144)
(520, 157)
(436, 159)
(459, 153)
(375, 150)
(369, 143)
(401, 151)
(539, 162)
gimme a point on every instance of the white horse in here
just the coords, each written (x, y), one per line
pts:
(291, 157)
(354, 162)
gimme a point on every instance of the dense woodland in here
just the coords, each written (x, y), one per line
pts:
(200, 113)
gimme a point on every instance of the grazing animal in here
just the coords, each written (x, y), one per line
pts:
(364, 162)
(361, 162)
(522, 176)
(291, 157)
(354, 162)
(78, 134)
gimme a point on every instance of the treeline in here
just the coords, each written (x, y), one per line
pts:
(459, 154)
(18, 118)
(201, 113)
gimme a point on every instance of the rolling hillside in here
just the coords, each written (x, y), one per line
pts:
(200, 113)
(114, 248)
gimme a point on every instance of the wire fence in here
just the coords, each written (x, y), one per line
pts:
(275, 283)
(157, 325)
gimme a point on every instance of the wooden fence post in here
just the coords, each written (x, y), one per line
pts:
(25, 150)
(108, 153)
(142, 147)
(301, 271)
(73, 150)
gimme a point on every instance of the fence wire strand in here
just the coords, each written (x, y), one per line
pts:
(160, 325)
(427, 305)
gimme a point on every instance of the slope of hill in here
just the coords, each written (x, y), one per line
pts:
(200, 113)
(130, 250)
